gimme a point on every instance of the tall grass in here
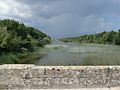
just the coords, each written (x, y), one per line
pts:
(20, 57)
(96, 54)
(108, 55)
(102, 59)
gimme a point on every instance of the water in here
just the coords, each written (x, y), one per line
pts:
(59, 53)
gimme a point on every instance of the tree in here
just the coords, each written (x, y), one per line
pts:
(15, 35)
(9, 41)
(117, 38)
(111, 37)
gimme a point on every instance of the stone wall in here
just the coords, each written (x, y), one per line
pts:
(43, 77)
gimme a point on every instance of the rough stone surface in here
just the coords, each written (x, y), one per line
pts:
(61, 77)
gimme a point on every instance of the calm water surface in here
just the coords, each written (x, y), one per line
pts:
(59, 53)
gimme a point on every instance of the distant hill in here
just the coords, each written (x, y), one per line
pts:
(112, 37)
(16, 36)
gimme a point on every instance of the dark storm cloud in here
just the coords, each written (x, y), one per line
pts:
(80, 7)
(61, 18)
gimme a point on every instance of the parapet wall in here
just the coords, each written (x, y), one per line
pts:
(44, 77)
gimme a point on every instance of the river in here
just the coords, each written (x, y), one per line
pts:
(59, 53)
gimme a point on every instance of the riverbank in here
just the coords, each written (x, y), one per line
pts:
(24, 57)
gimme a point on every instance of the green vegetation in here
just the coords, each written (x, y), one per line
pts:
(94, 54)
(112, 37)
(20, 57)
(104, 58)
(108, 54)
(16, 39)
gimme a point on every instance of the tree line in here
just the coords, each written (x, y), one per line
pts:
(16, 36)
(111, 37)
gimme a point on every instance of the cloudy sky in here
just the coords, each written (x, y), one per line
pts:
(64, 18)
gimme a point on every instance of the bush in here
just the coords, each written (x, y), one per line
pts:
(15, 35)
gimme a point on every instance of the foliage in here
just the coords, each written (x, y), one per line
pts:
(112, 37)
(20, 57)
(15, 36)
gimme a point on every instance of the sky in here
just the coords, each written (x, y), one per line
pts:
(64, 18)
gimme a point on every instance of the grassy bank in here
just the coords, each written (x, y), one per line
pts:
(94, 54)
(102, 59)
(25, 57)
(104, 55)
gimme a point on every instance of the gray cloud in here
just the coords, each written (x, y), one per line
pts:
(61, 18)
